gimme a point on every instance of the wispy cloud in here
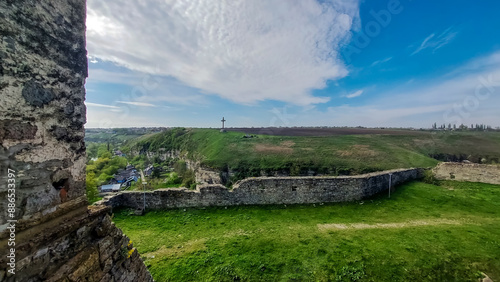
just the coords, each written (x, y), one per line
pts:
(435, 42)
(354, 94)
(242, 51)
(139, 104)
(381, 61)
(471, 96)
(89, 104)
(117, 77)
(92, 60)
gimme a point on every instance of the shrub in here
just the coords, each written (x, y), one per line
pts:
(173, 179)
(188, 179)
(180, 167)
(429, 178)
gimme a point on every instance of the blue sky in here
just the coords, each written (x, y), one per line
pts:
(293, 63)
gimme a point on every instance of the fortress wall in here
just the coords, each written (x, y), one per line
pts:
(42, 113)
(268, 190)
(468, 172)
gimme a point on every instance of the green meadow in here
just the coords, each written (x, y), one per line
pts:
(422, 233)
(334, 155)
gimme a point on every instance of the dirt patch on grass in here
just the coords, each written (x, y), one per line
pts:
(179, 250)
(358, 151)
(413, 223)
(235, 233)
(272, 149)
(287, 144)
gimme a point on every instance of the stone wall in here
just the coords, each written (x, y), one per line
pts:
(42, 74)
(268, 190)
(468, 172)
(83, 245)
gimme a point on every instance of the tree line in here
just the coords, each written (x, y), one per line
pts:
(472, 127)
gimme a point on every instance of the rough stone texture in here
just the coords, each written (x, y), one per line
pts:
(42, 74)
(43, 69)
(468, 172)
(81, 246)
(203, 175)
(268, 190)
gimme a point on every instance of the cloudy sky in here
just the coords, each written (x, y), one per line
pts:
(292, 63)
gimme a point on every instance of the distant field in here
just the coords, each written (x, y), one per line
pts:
(422, 233)
(279, 131)
(337, 154)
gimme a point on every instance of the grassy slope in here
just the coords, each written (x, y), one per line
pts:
(284, 243)
(348, 154)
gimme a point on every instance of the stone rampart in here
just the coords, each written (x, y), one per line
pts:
(468, 172)
(269, 190)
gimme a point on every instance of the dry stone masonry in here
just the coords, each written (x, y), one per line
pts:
(269, 190)
(42, 74)
(468, 172)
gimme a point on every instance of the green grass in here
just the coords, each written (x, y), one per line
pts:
(278, 243)
(333, 155)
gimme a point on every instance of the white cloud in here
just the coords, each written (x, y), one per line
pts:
(92, 60)
(417, 104)
(471, 95)
(89, 104)
(354, 94)
(381, 61)
(145, 88)
(139, 104)
(117, 77)
(100, 118)
(435, 42)
(243, 51)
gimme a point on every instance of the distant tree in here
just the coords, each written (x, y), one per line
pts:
(156, 172)
(91, 187)
(102, 150)
(92, 149)
(180, 167)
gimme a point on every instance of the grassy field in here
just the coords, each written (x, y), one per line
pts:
(334, 155)
(422, 233)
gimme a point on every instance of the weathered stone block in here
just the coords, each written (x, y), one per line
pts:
(36, 95)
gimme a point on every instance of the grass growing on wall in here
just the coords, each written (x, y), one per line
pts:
(269, 243)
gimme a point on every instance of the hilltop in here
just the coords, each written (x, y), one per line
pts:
(246, 153)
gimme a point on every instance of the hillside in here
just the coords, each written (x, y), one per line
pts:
(423, 233)
(118, 136)
(337, 154)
